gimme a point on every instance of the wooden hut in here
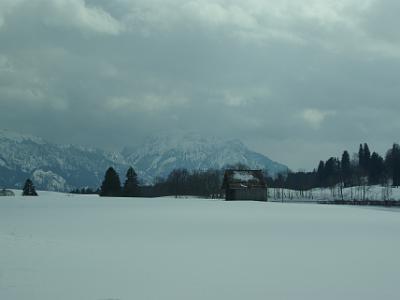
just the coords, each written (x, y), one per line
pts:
(244, 185)
(6, 193)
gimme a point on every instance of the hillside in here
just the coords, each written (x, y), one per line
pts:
(62, 167)
(51, 167)
(158, 156)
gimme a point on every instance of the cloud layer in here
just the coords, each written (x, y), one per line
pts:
(298, 81)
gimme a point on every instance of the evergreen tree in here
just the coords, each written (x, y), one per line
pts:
(111, 186)
(321, 174)
(393, 164)
(361, 160)
(29, 189)
(131, 186)
(346, 168)
(364, 156)
(376, 169)
(332, 168)
(367, 157)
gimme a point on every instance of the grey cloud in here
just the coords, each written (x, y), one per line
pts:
(296, 80)
(63, 13)
(383, 21)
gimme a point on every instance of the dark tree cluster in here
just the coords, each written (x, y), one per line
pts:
(392, 164)
(364, 169)
(181, 182)
(111, 186)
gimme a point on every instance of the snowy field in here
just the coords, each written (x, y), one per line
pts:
(86, 248)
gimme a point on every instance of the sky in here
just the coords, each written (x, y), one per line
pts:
(299, 81)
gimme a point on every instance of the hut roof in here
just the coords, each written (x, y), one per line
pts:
(241, 179)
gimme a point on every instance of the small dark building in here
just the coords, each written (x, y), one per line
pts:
(245, 185)
(6, 193)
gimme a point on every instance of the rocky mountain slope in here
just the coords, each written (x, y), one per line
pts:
(63, 167)
(160, 155)
(51, 167)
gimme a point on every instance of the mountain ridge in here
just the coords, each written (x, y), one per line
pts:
(63, 167)
(195, 152)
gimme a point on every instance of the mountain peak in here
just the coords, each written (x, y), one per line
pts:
(62, 167)
(160, 154)
(9, 135)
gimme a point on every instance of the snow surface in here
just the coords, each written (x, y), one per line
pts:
(68, 247)
(243, 176)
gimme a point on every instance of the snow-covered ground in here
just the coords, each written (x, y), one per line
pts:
(88, 248)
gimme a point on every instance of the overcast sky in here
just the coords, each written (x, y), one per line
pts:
(298, 81)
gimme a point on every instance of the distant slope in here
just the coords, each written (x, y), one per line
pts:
(52, 167)
(160, 155)
(63, 167)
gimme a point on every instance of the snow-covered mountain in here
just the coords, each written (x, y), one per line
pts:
(160, 155)
(63, 167)
(51, 167)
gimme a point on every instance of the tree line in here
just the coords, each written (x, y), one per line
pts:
(111, 186)
(362, 169)
(179, 182)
